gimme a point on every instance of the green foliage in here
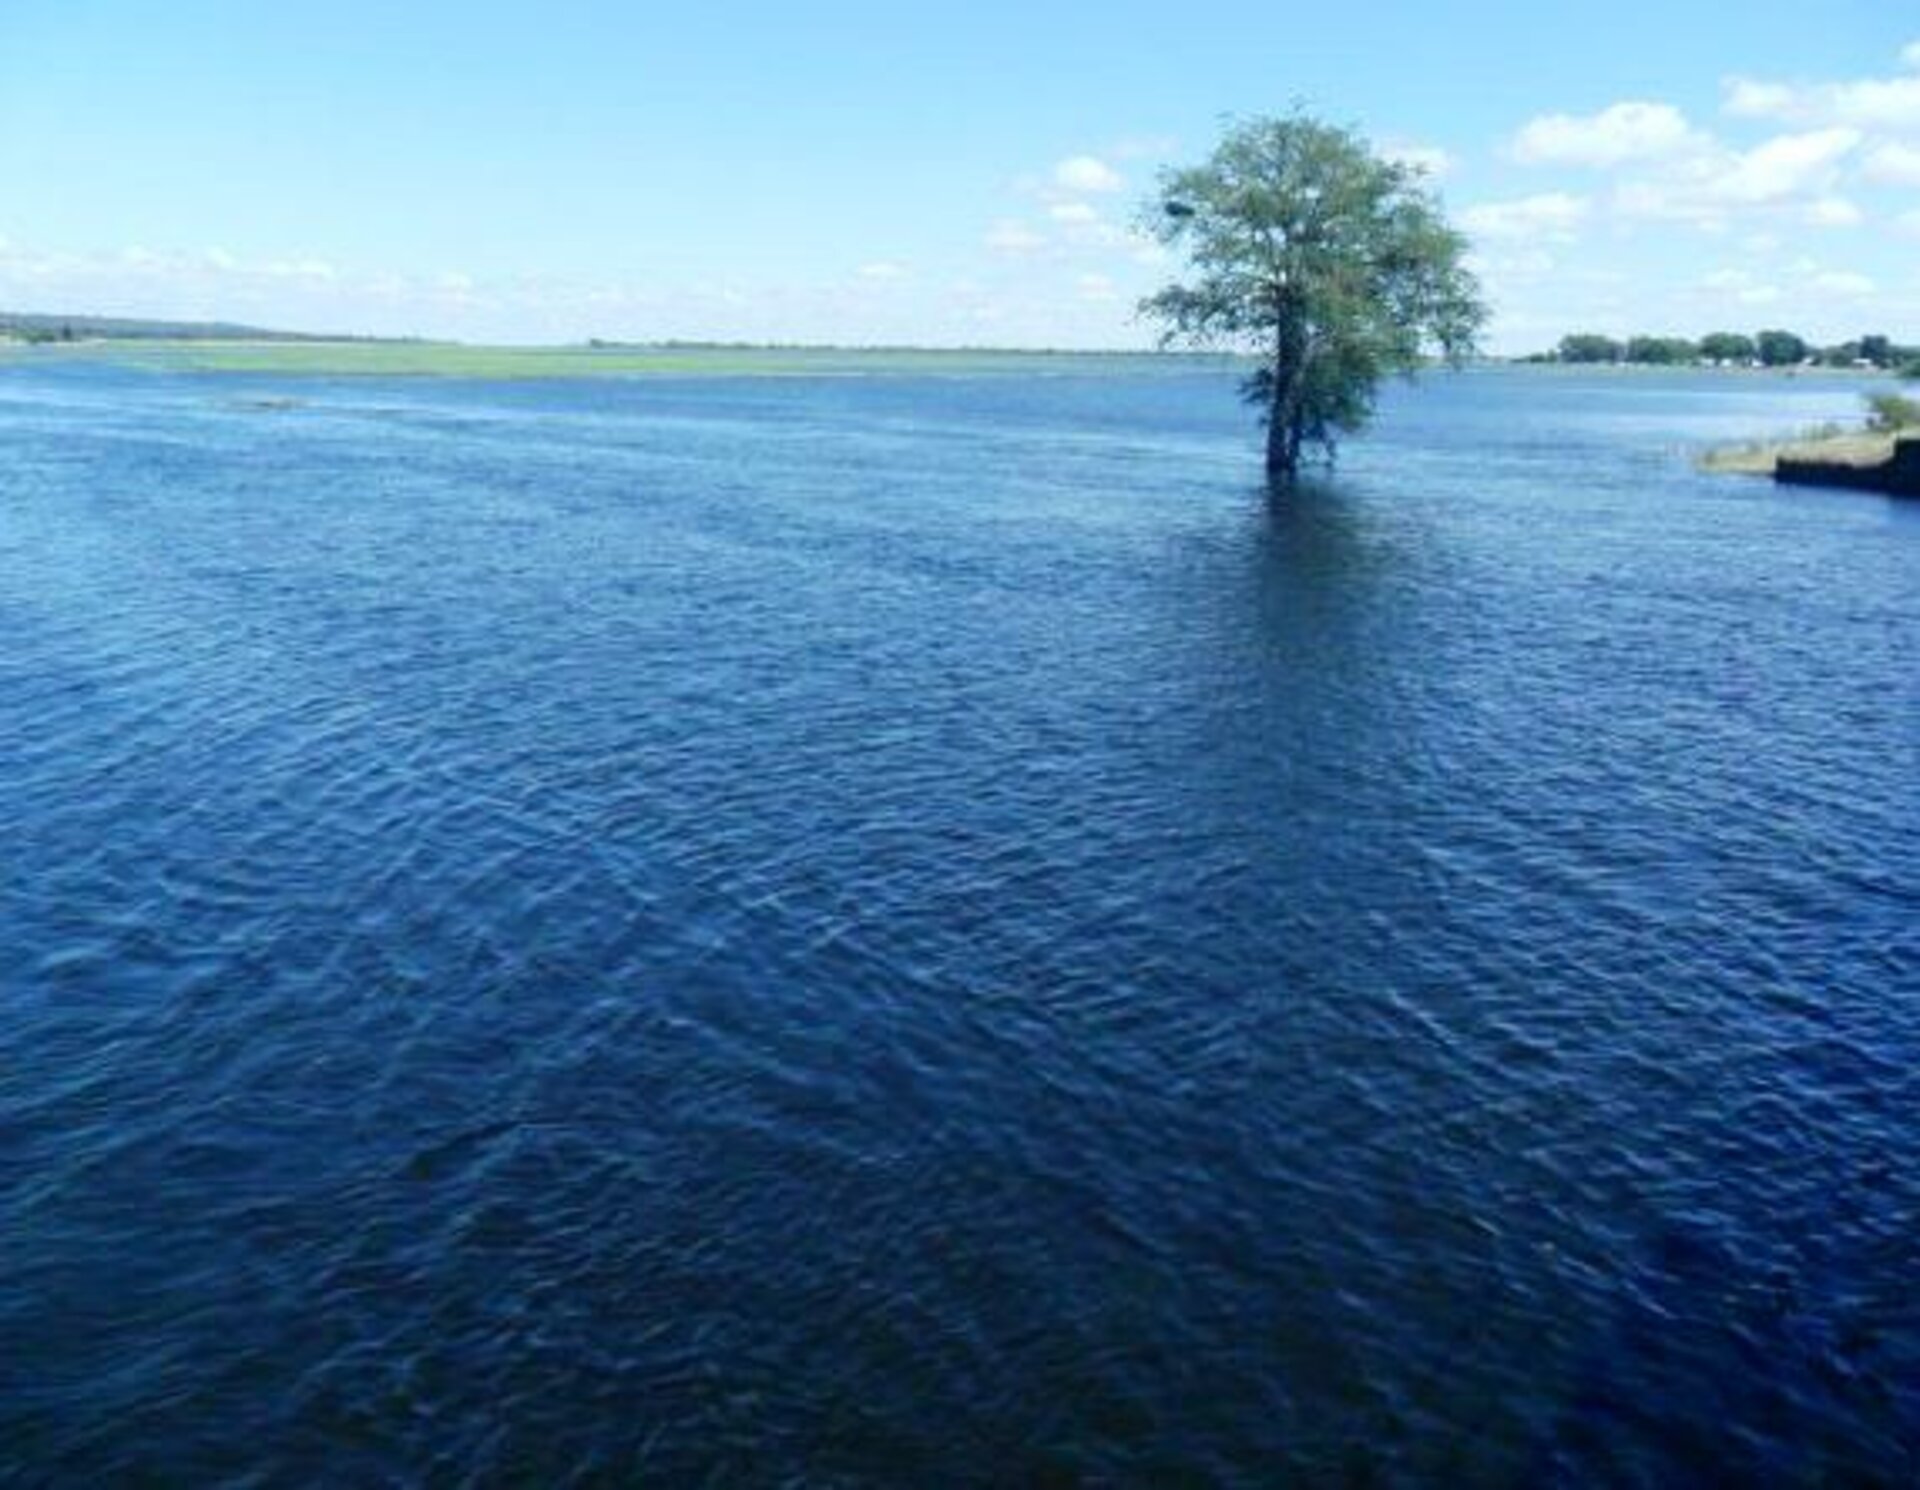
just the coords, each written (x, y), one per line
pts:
(1334, 266)
(1728, 346)
(1662, 351)
(1589, 347)
(1891, 412)
(1780, 348)
(1735, 348)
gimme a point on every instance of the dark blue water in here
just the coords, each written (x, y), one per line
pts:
(918, 930)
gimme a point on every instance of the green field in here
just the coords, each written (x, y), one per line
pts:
(448, 360)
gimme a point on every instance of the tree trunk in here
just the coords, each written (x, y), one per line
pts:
(1283, 452)
(1283, 422)
(1289, 390)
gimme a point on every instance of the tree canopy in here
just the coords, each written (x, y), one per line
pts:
(1333, 265)
(1728, 346)
(1780, 348)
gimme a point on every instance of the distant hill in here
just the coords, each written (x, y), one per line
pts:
(121, 328)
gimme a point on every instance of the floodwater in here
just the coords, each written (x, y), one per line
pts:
(917, 929)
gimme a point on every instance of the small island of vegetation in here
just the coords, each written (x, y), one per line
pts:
(1882, 456)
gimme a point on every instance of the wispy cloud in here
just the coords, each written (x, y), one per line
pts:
(1088, 173)
(1741, 286)
(1888, 103)
(1894, 162)
(1549, 216)
(1843, 282)
(1835, 212)
(1011, 237)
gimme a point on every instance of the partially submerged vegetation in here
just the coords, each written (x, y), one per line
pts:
(1333, 265)
(1829, 442)
(1828, 454)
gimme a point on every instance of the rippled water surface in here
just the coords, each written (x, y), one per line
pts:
(915, 929)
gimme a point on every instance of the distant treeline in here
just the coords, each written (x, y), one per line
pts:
(1734, 349)
(20, 326)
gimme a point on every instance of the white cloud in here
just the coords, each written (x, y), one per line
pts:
(317, 271)
(1087, 173)
(1835, 212)
(1867, 103)
(1073, 212)
(1755, 100)
(1909, 223)
(1892, 103)
(1096, 287)
(1526, 263)
(1011, 237)
(1741, 286)
(1892, 161)
(1669, 200)
(1548, 216)
(1843, 282)
(1910, 54)
(1784, 165)
(883, 269)
(1788, 172)
(1623, 132)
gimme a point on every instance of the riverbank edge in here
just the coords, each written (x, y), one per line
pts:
(1856, 460)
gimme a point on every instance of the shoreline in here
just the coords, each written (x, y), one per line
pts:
(377, 358)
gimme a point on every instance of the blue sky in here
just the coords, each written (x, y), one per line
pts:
(863, 172)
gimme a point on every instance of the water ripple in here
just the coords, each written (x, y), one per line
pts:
(920, 931)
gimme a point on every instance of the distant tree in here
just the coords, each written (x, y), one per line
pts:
(1878, 350)
(1661, 351)
(1780, 348)
(1587, 346)
(1333, 265)
(1728, 346)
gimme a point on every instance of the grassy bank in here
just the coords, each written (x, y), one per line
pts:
(1852, 447)
(1891, 416)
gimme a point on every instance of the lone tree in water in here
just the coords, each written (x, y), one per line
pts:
(1335, 266)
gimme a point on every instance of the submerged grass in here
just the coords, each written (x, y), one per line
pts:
(1758, 457)
(1834, 443)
